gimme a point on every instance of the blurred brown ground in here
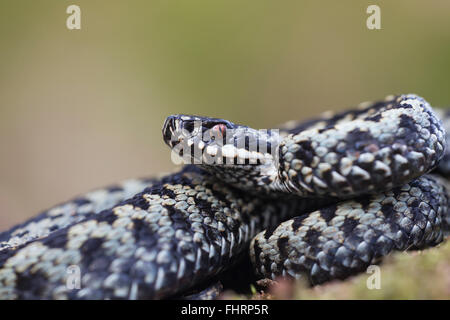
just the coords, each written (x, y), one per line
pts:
(81, 109)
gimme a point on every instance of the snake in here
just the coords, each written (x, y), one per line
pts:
(320, 200)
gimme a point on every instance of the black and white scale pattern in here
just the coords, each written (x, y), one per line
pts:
(354, 186)
(347, 237)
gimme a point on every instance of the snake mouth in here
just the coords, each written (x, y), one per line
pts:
(186, 128)
(213, 141)
(168, 130)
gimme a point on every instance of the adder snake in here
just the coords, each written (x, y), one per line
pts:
(320, 200)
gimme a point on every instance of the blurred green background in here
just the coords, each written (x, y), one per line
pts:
(84, 108)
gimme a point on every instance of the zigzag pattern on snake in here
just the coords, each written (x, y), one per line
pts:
(339, 193)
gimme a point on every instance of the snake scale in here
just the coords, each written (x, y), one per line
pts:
(321, 200)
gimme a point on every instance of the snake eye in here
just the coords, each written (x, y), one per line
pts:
(218, 130)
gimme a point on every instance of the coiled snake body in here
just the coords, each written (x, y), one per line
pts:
(338, 193)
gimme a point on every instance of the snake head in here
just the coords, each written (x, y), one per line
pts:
(213, 141)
